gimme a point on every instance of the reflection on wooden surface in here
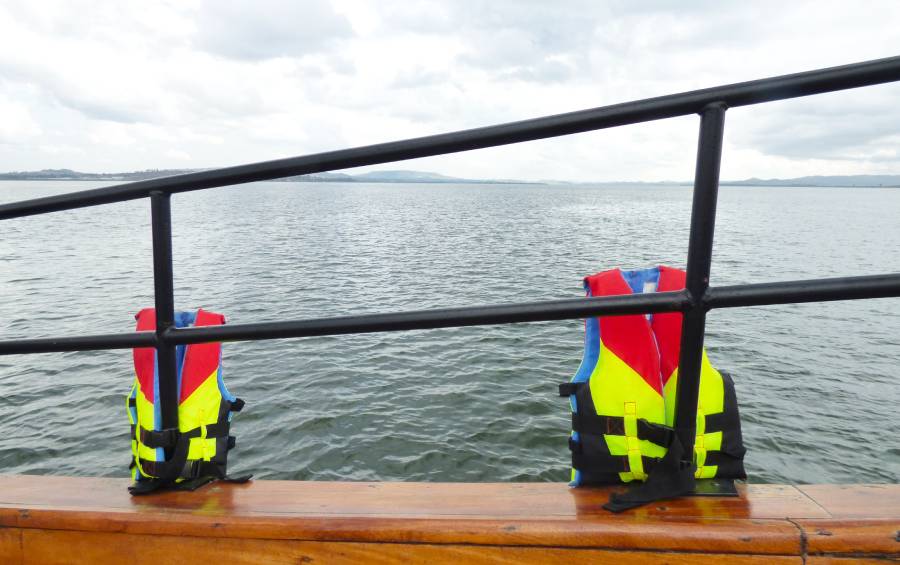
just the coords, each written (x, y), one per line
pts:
(91, 520)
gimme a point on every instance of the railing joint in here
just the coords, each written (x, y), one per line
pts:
(688, 302)
(706, 301)
(720, 105)
(167, 336)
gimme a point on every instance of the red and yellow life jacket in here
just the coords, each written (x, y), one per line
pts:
(623, 395)
(200, 445)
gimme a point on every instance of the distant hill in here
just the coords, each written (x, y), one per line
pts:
(373, 176)
(319, 177)
(835, 180)
(407, 176)
(399, 177)
(69, 174)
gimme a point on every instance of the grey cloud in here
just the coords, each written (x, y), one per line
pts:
(100, 110)
(101, 106)
(856, 125)
(542, 42)
(275, 28)
(521, 39)
(845, 142)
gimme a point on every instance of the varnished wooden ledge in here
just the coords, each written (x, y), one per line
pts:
(91, 520)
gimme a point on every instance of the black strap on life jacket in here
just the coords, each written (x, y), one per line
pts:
(178, 466)
(567, 389)
(590, 453)
(178, 469)
(587, 422)
(673, 475)
(668, 477)
(592, 458)
(170, 436)
(730, 458)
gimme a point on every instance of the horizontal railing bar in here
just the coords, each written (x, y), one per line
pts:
(844, 288)
(423, 319)
(740, 94)
(442, 318)
(791, 292)
(79, 343)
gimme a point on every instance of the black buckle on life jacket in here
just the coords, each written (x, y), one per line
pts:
(655, 433)
(162, 438)
(169, 437)
(198, 468)
(615, 426)
(237, 405)
(217, 430)
(598, 425)
(574, 446)
(568, 389)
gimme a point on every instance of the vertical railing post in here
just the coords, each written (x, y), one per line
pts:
(703, 221)
(161, 217)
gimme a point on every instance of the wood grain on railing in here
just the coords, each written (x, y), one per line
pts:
(85, 520)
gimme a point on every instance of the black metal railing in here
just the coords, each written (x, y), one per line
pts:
(694, 301)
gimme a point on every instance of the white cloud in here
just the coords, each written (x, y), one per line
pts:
(17, 123)
(178, 155)
(268, 29)
(119, 85)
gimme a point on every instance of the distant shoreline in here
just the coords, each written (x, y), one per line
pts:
(370, 177)
(421, 177)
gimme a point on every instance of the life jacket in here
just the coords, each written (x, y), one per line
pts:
(200, 445)
(623, 395)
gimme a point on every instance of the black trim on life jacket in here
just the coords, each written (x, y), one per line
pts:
(177, 467)
(590, 453)
(730, 458)
(588, 421)
(169, 437)
(586, 454)
(615, 425)
(672, 476)
(568, 389)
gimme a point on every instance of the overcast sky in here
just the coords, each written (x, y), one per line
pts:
(108, 86)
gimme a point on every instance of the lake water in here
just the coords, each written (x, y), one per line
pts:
(818, 384)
